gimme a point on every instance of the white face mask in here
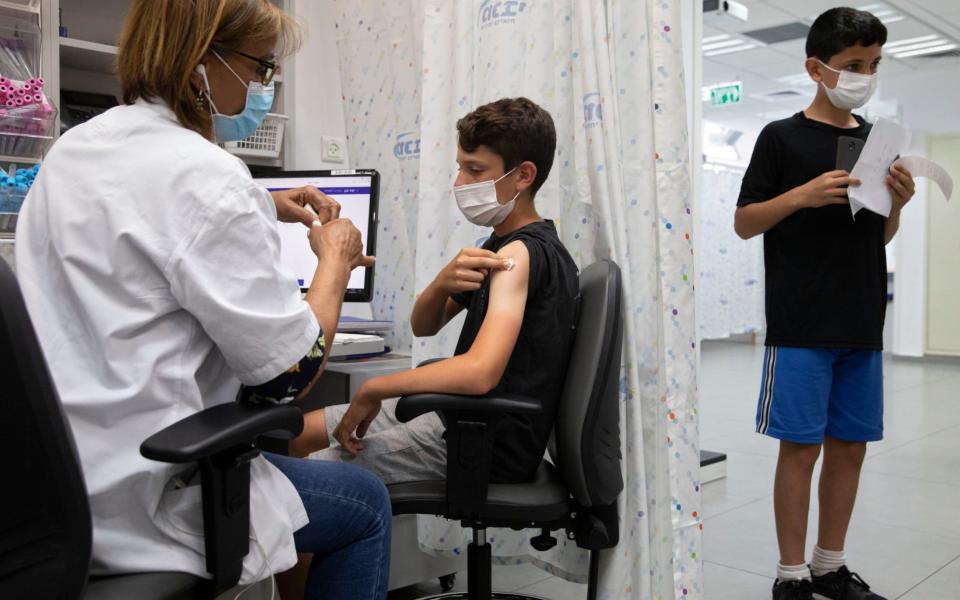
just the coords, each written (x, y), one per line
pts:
(853, 89)
(479, 204)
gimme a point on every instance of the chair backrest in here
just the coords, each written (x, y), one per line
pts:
(587, 430)
(45, 526)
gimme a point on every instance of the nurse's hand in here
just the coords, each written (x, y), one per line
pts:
(339, 240)
(355, 422)
(292, 206)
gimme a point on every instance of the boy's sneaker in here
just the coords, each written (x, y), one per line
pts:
(842, 585)
(794, 589)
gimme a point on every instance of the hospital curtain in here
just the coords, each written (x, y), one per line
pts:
(731, 269)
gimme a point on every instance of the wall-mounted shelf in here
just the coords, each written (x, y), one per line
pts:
(87, 56)
(6, 160)
(30, 6)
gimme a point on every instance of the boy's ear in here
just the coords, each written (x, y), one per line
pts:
(526, 174)
(812, 65)
(817, 71)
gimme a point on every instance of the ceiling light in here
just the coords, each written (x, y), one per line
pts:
(901, 49)
(730, 50)
(715, 38)
(913, 40)
(724, 44)
(933, 50)
(884, 12)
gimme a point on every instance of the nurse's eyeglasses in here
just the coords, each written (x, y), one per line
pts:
(267, 70)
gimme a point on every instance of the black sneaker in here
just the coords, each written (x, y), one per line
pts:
(842, 585)
(795, 589)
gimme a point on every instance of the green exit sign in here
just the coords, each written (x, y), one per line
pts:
(727, 93)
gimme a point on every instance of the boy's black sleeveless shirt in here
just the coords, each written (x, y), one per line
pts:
(537, 367)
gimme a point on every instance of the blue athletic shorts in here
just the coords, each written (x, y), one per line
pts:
(807, 393)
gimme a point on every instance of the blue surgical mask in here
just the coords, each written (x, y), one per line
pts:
(234, 128)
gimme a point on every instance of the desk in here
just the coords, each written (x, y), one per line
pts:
(343, 378)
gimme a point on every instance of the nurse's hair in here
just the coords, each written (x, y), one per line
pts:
(163, 41)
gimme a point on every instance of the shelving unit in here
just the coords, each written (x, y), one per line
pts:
(25, 132)
(6, 160)
(30, 6)
(87, 56)
(85, 59)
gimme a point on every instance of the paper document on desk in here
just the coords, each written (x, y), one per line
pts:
(886, 142)
(353, 344)
(885, 145)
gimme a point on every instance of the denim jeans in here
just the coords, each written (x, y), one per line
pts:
(349, 529)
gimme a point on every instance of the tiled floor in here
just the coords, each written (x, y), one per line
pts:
(525, 579)
(905, 534)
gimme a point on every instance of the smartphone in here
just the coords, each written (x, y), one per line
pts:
(848, 151)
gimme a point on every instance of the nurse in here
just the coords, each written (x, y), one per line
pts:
(149, 261)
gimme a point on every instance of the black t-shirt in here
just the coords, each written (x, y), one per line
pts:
(826, 272)
(538, 364)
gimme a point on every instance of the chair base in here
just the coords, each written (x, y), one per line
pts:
(494, 596)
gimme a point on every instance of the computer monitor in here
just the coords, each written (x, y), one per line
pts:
(358, 192)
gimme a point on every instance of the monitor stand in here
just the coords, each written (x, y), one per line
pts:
(357, 310)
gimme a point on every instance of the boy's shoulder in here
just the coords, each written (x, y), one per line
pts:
(800, 124)
(782, 127)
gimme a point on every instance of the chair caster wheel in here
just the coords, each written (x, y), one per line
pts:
(448, 581)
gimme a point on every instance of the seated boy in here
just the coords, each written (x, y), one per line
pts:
(520, 292)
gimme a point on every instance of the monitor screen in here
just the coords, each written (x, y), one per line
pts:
(357, 191)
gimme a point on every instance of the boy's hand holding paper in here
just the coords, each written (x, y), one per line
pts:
(885, 146)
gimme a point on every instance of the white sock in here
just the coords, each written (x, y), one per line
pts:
(792, 572)
(825, 561)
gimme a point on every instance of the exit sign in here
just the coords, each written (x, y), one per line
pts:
(726, 93)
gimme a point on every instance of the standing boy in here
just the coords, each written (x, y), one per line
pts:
(826, 275)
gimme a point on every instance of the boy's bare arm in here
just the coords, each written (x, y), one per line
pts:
(476, 372)
(465, 273)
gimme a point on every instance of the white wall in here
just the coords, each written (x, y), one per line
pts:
(312, 88)
(943, 247)
(910, 270)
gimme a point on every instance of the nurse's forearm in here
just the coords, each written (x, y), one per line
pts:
(325, 296)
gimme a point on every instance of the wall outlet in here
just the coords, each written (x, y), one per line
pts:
(333, 149)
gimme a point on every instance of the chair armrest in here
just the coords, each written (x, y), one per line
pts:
(471, 426)
(219, 428)
(411, 407)
(220, 439)
(429, 361)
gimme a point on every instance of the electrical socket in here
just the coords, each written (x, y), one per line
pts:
(332, 149)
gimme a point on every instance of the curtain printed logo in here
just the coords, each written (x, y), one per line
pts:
(407, 147)
(592, 110)
(499, 12)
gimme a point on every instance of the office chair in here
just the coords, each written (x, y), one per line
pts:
(577, 491)
(45, 524)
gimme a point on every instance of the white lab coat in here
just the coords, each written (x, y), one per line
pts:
(150, 264)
